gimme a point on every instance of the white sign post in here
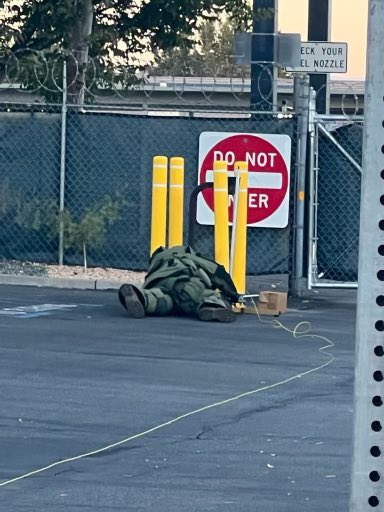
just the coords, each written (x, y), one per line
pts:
(322, 57)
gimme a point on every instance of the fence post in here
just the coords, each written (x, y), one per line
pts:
(299, 249)
(297, 93)
(62, 164)
(313, 187)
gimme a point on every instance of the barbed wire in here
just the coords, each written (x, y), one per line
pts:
(28, 73)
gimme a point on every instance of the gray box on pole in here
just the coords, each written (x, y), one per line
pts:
(288, 49)
(242, 49)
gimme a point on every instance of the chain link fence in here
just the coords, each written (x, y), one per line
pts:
(29, 183)
(75, 181)
(336, 201)
(108, 168)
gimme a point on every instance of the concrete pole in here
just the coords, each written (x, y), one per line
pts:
(263, 67)
(319, 29)
(368, 454)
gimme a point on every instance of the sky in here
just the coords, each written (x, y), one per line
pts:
(349, 24)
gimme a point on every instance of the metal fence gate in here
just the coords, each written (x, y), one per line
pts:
(335, 160)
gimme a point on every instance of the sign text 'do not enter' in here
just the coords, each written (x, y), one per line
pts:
(268, 159)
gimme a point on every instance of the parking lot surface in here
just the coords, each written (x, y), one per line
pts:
(77, 375)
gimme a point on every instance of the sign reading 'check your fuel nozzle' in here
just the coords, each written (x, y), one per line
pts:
(322, 57)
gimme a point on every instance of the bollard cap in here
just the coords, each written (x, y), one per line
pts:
(177, 161)
(241, 166)
(160, 160)
(220, 165)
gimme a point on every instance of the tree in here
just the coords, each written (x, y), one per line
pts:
(91, 229)
(6, 29)
(110, 31)
(210, 56)
(40, 218)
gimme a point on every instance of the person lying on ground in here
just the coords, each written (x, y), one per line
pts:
(183, 282)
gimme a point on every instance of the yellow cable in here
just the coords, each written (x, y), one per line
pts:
(301, 330)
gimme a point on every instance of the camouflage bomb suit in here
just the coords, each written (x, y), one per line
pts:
(178, 279)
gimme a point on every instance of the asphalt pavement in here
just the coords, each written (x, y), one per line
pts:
(77, 375)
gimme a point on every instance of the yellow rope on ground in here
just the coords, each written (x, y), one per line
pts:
(300, 331)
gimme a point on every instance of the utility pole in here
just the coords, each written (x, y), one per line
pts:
(368, 460)
(319, 29)
(263, 69)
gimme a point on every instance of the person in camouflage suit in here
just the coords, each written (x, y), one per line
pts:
(179, 280)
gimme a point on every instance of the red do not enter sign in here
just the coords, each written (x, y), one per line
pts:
(268, 157)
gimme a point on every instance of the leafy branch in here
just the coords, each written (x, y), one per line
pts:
(110, 32)
(91, 228)
(81, 233)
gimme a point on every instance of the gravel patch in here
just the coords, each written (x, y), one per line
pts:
(24, 268)
(255, 284)
(39, 269)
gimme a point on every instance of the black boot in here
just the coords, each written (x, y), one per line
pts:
(132, 300)
(209, 313)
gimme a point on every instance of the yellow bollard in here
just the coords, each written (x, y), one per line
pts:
(159, 203)
(239, 230)
(176, 202)
(220, 190)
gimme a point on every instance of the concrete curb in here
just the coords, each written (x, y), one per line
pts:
(74, 283)
(109, 284)
(79, 283)
(49, 282)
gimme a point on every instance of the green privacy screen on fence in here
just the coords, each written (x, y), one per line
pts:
(338, 203)
(108, 167)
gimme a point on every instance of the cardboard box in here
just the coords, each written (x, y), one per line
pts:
(272, 303)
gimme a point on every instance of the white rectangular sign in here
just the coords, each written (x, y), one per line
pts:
(322, 57)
